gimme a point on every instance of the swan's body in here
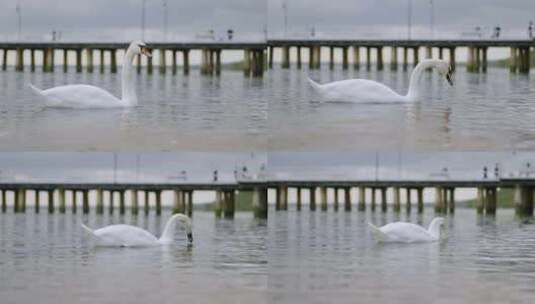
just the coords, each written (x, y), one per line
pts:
(87, 96)
(131, 236)
(401, 232)
(364, 90)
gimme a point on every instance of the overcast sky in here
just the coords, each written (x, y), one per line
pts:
(121, 18)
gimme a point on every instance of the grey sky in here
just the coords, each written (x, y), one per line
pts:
(121, 18)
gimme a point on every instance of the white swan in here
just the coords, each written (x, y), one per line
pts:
(86, 96)
(401, 232)
(131, 236)
(364, 90)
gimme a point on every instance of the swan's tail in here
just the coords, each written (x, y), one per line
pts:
(35, 89)
(88, 230)
(314, 84)
(377, 233)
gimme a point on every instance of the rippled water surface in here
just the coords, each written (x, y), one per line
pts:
(48, 259)
(322, 257)
(279, 112)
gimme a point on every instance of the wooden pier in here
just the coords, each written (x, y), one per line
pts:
(256, 55)
(404, 194)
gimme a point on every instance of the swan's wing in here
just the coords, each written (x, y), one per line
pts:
(406, 232)
(79, 96)
(360, 90)
(125, 235)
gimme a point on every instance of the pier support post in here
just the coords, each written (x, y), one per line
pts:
(362, 199)
(394, 59)
(44, 66)
(470, 62)
(491, 201)
(65, 60)
(218, 208)
(162, 66)
(78, 61)
(122, 207)
(102, 61)
(100, 204)
(439, 199)
(150, 66)
(524, 200)
(185, 63)
(50, 201)
(218, 62)
(179, 206)
(21, 200)
(189, 202)
(347, 199)
(285, 57)
(146, 202)
(524, 60)
(73, 200)
(257, 63)
(32, 60)
(336, 201)
(247, 63)
(428, 52)
(113, 66)
(384, 206)
(299, 60)
(451, 200)
(90, 63)
(173, 62)
(158, 194)
(283, 197)
(440, 53)
(397, 199)
(420, 198)
(484, 62)
(4, 203)
(312, 198)
(356, 57)
(452, 57)
(19, 66)
(111, 202)
(4, 59)
(380, 62)
(135, 202)
(270, 57)
(416, 55)
(61, 198)
(368, 58)
(85, 203)
(317, 60)
(260, 205)
(374, 199)
(229, 204)
(345, 58)
(408, 204)
(477, 66)
(323, 197)
(299, 202)
(480, 202)
(311, 58)
(331, 57)
(405, 58)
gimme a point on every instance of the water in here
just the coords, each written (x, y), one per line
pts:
(48, 257)
(280, 112)
(322, 257)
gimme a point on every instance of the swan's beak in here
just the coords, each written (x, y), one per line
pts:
(190, 237)
(146, 51)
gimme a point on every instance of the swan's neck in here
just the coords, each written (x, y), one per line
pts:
(129, 96)
(414, 84)
(434, 228)
(169, 229)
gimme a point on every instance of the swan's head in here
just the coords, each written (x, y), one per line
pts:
(435, 225)
(186, 222)
(445, 69)
(139, 47)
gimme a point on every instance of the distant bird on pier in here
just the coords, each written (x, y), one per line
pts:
(369, 91)
(131, 236)
(87, 96)
(401, 232)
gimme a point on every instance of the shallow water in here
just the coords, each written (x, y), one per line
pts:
(490, 111)
(47, 258)
(320, 257)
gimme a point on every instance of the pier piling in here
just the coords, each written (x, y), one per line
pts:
(79, 61)
(356, 57)
(260, 202)
(397, 199)
(523, 200)
(312, 195)
(362, 199)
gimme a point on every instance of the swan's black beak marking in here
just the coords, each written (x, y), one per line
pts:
(190, 237)
(145, 51)
(449, 77)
